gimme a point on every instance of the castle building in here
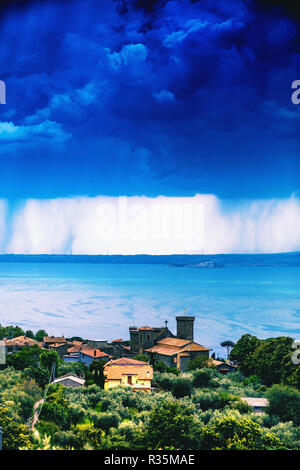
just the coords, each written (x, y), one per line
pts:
(161, 345)
(146, 336)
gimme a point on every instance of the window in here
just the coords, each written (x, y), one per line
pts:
(129, 379)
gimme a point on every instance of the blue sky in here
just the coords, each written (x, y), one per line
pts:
(139, 97)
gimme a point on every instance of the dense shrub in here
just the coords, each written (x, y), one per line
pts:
(106, 421)
(15, 435)
(239, 434)
(47, 428)
(181, 388)
(287, 433)
(199, 362)
(20, 392)
(284, 402)
(171, 425)
(203, 378)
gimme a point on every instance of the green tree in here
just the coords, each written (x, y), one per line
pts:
(74, 338)
(199, 362)
(171, 425)
(39, 374)
(29, 334)
(181, 388)
(160, 366)
(105, 421)
(26, 357)
(10, 331)
(203, 378)
(78, 368)
(97, 370)
(284, 402)
(141, 357)
(239, 434)
(39, 336)
(243, 351)
(47, 358)
(87, 433)
(293, 378)
(228, 345)
(15, 435)
(56, 408)
(271, 360)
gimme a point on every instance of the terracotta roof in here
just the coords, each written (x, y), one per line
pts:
(76, 343)
(195, 347)
(94, 353)
(172, 346)
(217, 363)
(164, 350)
(73, 349)
(123, 361)
(56, 345)
(117, 341)
(174, 342)
(54, 339)
(148, 328)
(80, 347)
(20, 341)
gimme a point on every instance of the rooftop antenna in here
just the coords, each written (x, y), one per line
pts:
(166, 323)
(185, 310)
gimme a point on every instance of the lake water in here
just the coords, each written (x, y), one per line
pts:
(103, 300)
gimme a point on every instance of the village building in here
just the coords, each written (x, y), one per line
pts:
(87, 356)
(70, 380)
(15, 344)
(60, 348)
(161, 345)
(258, 405)
(101, 344)
(119, 348)
(97, 343)
(128, 372)
(177, 353)
(73, 350)
(223, 367)
(50, 340)
(145, 337)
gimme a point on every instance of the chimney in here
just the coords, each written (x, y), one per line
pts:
(95, 352)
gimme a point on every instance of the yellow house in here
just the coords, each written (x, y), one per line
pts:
(128, 372)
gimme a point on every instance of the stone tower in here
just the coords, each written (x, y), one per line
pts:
(185, 327)
(134, 339)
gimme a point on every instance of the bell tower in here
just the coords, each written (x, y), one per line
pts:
(185, 327)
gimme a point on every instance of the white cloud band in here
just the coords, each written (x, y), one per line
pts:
(161, 225)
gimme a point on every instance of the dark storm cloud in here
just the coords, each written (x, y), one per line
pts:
(182, 95)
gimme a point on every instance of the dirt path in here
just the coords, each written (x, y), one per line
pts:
(36, 412)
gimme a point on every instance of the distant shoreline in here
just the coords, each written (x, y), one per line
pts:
(176, 260)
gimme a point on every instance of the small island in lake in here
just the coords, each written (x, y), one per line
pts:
(201, 264)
